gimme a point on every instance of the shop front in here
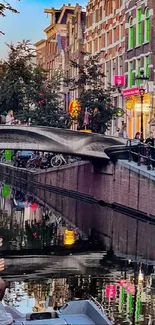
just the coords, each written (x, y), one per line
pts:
(133, 113)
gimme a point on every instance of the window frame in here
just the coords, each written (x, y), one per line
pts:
(147, 31)
(131, 34)
(139, 38)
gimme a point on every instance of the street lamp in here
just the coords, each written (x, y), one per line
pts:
(142, 78)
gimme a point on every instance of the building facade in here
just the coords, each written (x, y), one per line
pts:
(74, 47)
(105, 34)
(139, 47)
(64, 41)
(50, 51)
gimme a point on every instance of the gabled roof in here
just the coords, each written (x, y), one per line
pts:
(40, 42)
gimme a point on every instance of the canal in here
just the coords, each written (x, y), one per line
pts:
(115, 265)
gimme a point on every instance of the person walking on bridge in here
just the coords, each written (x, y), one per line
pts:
(150, 141)
(9, 118)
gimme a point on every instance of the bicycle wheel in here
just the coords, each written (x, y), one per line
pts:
(56, 162)
(31, 165)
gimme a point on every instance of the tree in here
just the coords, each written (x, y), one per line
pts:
(26, 88)
(5, 6)
(94, 99)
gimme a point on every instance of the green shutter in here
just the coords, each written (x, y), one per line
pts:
(131, 76)
(139, 33)
(139, 15)
(147, 66)
(139, 18)
(139, 74)
(147, 31)
(131, 37)
(147, 13)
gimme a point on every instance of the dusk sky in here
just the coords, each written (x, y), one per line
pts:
(29, 24)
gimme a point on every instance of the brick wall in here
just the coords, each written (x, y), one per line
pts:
(125, 234)
(111, 184)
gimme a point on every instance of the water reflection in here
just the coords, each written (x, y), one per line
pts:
(123, 280)
(45, 216)
(25, 223)
(123, 301)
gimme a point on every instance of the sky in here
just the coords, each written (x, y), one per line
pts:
(29, 24)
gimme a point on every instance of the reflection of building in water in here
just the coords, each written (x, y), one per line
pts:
(33, 214)
(17, 297)
(85, 287)
(59, 292)
(6, 205)
(40, 290)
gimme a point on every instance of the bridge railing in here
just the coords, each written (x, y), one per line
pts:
(141, 153)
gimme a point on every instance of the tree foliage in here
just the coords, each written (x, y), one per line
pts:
(26, 88)
(5, 6)
(93, 96)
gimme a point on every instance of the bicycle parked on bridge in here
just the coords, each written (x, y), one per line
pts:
(58, 160)
(42, 162)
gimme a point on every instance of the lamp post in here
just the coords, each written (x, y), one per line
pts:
(142, 78)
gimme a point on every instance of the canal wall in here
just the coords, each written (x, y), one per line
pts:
(120, 183)
(127, 235)
(111, 183)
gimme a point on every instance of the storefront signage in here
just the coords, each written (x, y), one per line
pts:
(130, 92)
(119, 80)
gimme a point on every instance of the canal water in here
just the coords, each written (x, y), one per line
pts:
(119, 273)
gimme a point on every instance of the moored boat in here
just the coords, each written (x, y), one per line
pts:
(83, 312)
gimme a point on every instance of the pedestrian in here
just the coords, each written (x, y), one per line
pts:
(9, 118)
(150, 140)
(137, 136)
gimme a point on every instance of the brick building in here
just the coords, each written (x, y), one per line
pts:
(74, 46)
(105, 34)
(50, 51)
(139, 30)
(64, 41)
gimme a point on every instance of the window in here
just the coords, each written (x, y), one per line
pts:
(99, 43)
(113, 68)
(94, 17)
(139, 27)
(147, 68)
(108, 38)
(100, 13)
(147, 25)
(131, 34)
(131, 74)
(121, 31)
(138, 71)
(120, 65)
(114, 35)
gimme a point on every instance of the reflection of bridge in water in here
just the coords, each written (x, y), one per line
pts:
(28, 227)
(128, 235)
(57, 140)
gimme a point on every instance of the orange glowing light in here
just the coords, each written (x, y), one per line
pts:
(69, 237)
(74, 109)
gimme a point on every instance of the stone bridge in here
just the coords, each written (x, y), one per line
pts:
(57, 140)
